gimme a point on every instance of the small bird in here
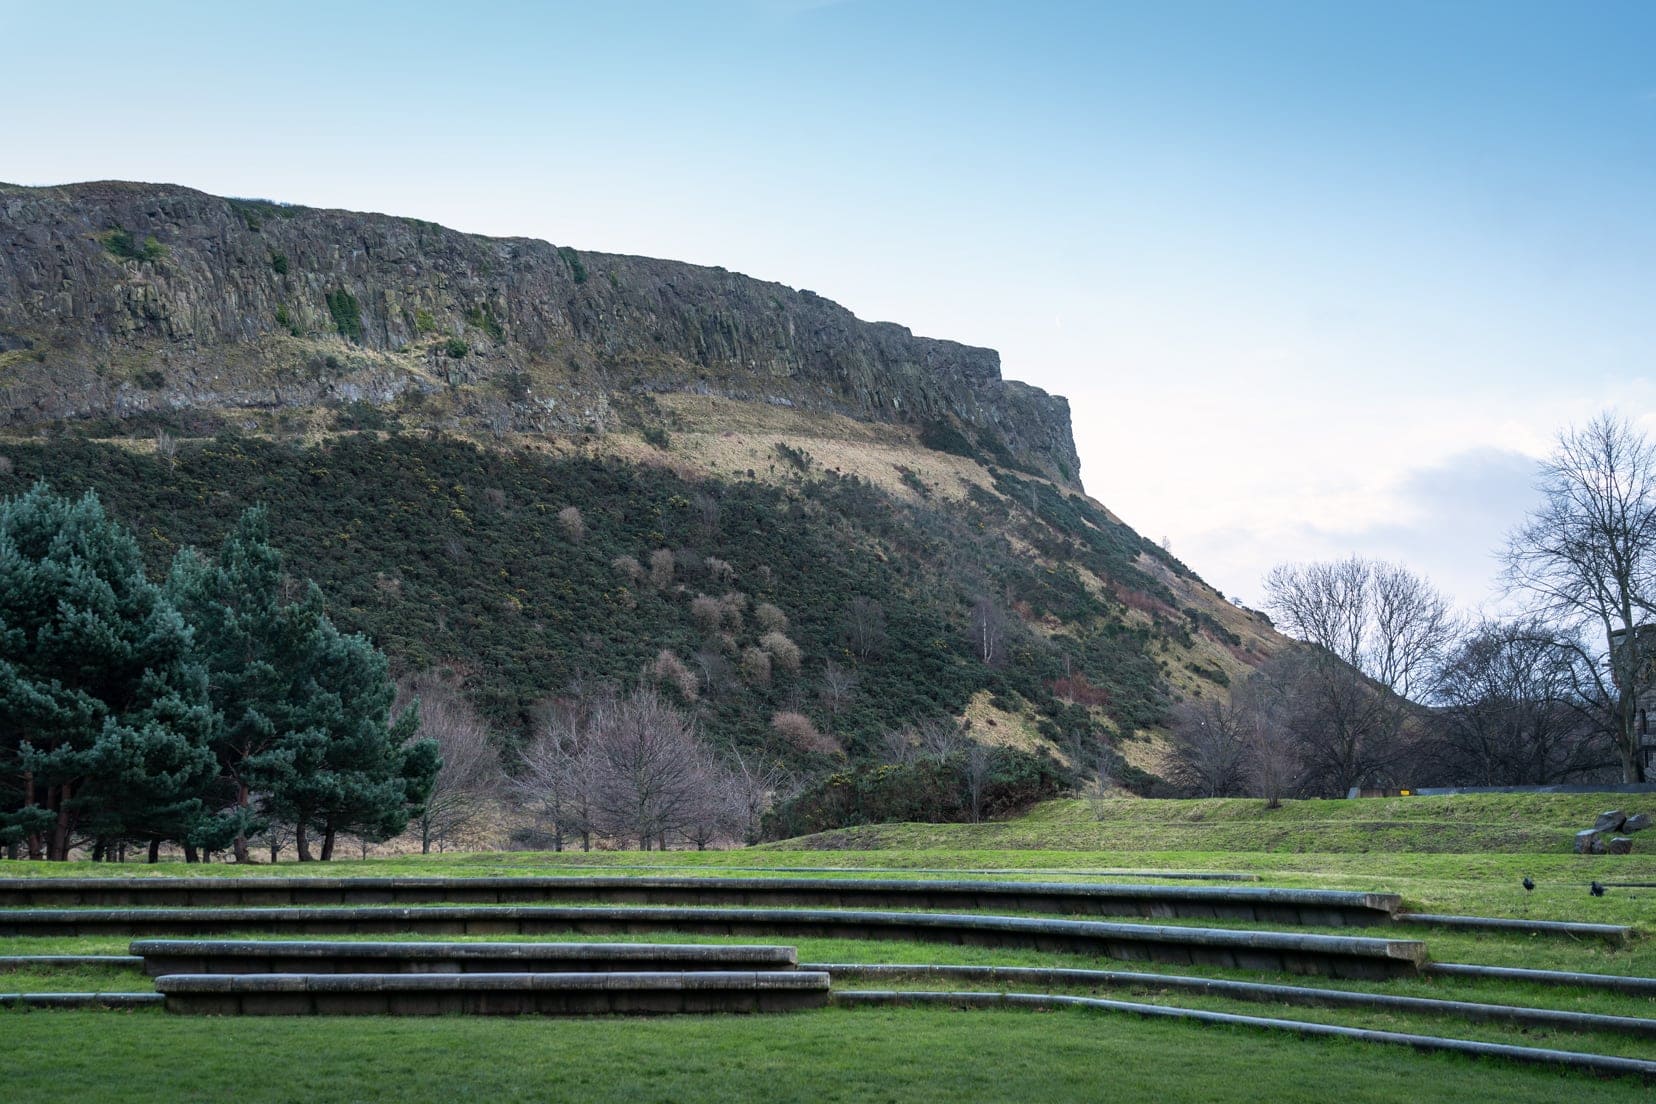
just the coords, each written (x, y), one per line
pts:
(1596, 890)
(1529, 882)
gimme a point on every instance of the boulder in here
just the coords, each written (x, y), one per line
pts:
(1638, 822)
(1586, 840)
(1621, 845)
(1610, 821)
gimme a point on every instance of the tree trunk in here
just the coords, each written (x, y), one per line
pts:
(58, 849)
(100, 850)
(240, 844)
(301, 840)
(190, 853)
(155, 849)
(327, 843)
(425, 836)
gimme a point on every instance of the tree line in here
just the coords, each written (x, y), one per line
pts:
(1389, 688)
(204, 710)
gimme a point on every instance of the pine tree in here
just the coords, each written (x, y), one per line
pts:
(103, 710)
(355, 770)
(304, 709)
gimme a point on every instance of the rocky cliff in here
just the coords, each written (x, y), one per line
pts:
(119, 298)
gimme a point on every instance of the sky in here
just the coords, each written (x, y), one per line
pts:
(1316, 278)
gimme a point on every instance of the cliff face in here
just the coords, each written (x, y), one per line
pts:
(117, 298)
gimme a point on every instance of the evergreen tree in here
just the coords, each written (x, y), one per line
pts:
(104, 716)
(304, 710)
(353, 768)
(256, 645)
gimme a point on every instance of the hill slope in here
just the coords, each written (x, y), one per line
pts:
(424, 411)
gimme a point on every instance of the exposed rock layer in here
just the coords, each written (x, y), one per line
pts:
(117, 298)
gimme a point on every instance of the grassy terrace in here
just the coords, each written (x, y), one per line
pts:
(922, 1054)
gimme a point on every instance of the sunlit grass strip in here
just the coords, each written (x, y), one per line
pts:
(1253, 991)
(1598, 1063)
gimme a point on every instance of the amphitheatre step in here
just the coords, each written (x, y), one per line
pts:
(193, 956)
(79, 1000)
(1293, 952)
(500, 994)
(1252, 991)
(1321, 908)
(1569, 1059)
(1610, 933)
(1643, 986)
(66, 962)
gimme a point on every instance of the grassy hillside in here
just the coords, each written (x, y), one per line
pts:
(449, 553)
(1538, 824)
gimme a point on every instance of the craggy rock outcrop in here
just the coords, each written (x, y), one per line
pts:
(117, 298)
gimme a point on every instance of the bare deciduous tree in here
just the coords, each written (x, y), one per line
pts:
(1209, 754)
(976, 768)
(756, 667)
(783, 651)
(574, 525)
(754, 787)
(864, 627)
(629, 568)
(989, 632)
(838, 687)
(705, 612)
(641, 746)
(662, 566)
(1511, 712)
(1265, 708)
(1587, 559)
(797, 730)
(667, 669)
(1376, 631)
(471, 776)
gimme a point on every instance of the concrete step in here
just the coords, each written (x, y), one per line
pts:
(1320, 908)
(501, 994)
(1294, 952)
(193, 956)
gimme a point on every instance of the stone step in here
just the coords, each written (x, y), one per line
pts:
(1025, 976)
(499, 994)
(1610, 933)
(1320, 908)
(194, 956)
(1294, 952)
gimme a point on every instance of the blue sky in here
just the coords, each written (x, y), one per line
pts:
(1316, 277)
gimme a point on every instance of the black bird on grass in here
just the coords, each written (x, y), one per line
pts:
(1596, 890)
(1529, 882)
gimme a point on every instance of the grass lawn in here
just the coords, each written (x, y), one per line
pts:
(899, 1055)
(925, 1054)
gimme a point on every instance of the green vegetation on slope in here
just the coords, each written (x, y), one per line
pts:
(446, 553)
(1466, 823)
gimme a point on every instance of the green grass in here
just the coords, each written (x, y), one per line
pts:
(909, 1055)
(1527, 823)
(926, 1054)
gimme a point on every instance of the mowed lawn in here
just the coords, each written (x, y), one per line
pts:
(916, 1054)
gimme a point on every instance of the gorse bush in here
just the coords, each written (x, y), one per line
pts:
(444, 553)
